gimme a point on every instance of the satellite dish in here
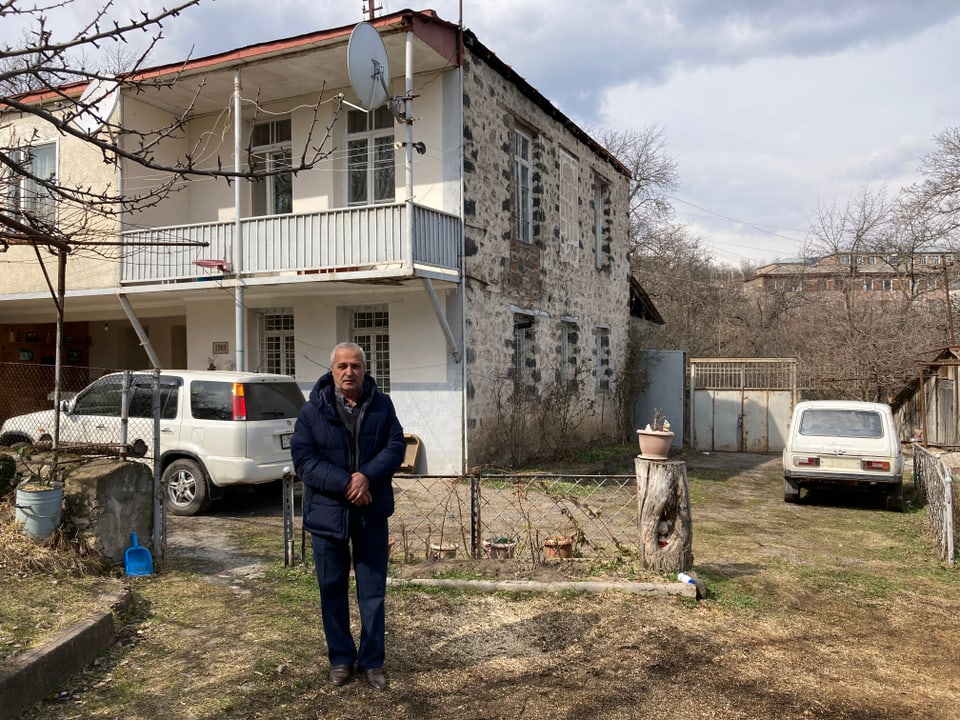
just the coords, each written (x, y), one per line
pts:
(96, 105)
(368, 66)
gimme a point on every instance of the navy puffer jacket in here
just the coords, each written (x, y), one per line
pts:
(323, 455)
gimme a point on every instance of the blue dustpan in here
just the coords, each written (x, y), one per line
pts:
(137, 560)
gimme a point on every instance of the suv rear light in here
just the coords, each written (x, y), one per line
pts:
(807, 462)
(239, 402)
(881, 465)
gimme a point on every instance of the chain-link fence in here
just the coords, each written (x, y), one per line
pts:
(113, 416)
(933, 480)
(509, 516)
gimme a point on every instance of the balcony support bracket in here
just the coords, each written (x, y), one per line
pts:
(444, 325)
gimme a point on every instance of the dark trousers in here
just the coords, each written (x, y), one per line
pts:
(332, 558)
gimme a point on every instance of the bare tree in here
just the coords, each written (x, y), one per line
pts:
(42, 77)
(654, 176)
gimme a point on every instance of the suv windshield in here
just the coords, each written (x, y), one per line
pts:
(842, 423)
(213, 400)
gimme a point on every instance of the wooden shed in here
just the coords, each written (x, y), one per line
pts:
(927, 408)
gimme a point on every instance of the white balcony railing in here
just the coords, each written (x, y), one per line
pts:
(345, 242)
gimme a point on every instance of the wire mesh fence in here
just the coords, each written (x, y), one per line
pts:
(514, 515)
(112, 416)
(933, 480)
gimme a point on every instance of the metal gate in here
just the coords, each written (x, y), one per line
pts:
(741, 404)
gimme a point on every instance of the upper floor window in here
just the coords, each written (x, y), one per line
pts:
(569, 206)
(29, 193)
(601, 198)
(272, 194)
(371, 168)
(523, 182)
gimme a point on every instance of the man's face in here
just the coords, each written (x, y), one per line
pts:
(348, 372)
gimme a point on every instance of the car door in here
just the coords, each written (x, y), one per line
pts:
(94, 416)
(141, 411)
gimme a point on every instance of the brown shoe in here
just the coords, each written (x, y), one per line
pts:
(376, 678)
(339, 674)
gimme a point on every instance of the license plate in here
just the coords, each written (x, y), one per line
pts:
(840, 463)
(285, 441)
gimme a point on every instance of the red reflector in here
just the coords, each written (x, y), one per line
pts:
(883, 465)
(808, 462)
(239, 402)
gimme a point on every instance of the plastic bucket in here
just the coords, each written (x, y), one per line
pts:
(39, 508)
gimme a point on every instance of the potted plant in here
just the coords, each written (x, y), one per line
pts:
(443, 551)
(558, 547)
(656, 438)
(499, 547)
(39, 500)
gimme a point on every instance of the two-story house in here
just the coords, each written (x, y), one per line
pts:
(475, 244)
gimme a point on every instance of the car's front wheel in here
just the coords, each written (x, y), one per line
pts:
(187, 489)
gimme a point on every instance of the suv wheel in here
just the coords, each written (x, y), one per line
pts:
(187, 490)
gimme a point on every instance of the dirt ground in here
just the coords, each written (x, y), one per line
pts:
(833, 608)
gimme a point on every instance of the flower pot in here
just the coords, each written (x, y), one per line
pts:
(557, 548)
(499, 550)
(443, 552)
(655, 444)
(39, 506)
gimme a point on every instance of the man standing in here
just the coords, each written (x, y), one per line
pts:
(346, 447)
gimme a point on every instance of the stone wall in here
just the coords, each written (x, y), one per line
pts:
(554, 282)
(107, 500)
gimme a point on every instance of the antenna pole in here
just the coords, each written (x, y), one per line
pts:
(371, 9)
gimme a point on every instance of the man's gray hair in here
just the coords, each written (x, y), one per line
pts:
(348, 346)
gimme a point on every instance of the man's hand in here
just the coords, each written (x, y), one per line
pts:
(358, 491)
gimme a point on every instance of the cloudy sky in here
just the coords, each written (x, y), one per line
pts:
(770, 107)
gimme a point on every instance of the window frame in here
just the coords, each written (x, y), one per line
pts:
(377, 161)
(523, 185)
(272, 195)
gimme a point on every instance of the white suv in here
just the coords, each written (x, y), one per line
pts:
(216, 428)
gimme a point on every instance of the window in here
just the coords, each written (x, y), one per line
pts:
(871, 259)
(371, 331)
(371, 170)
(601, 198)
(277, 349)
(29, 194)
(523, 182)
(868, 284)
(569, 207)
(524, 348)
(845, 260)
(935, 259)
(601, 357)
(569, 336)
(888, 285)
(141, 398)
(273, 194)
(102, 398)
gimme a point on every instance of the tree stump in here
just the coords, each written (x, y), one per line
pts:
(663, 511)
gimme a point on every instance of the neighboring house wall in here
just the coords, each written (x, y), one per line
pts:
(552, 280)
(77, 165)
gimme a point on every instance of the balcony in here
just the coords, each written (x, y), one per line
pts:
(350, 243)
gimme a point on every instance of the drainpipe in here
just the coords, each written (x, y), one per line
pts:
(238, 229)
(408, 113)
(462, 285)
